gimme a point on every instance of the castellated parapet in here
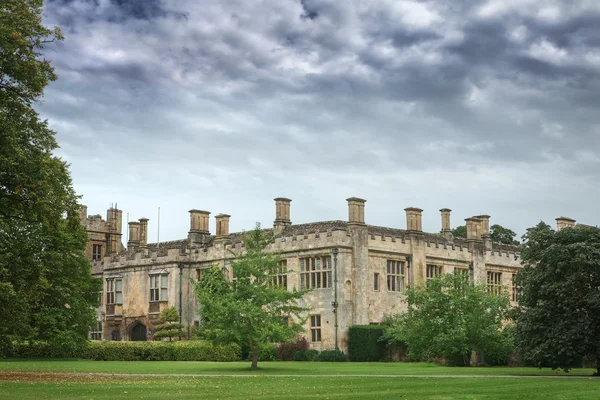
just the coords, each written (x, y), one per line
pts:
(375, 265)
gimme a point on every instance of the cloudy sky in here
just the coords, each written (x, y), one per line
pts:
(480, 106)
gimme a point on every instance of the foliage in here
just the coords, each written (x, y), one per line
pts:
(505, 352)
(306, 355)
(558, 319)
(331, 356)
(500, 234)
(364, 343)
(268, 352)
(169, 327)
(287, 351)
(460, 231)
(44, 274)
(450, 317)
(249, 309)
(189, 350)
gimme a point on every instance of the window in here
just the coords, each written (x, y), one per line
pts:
(494, 282)
(115, 335)
(315, 328)
(158, 287)
(96, 252)
(315, 272)
(376, 281)
(96, 331)
(433, 271)
(280, 277)
(463, 272)
(114, 291)
(395, 276)
(516, 289)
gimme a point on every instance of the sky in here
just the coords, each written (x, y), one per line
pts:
(484, 107)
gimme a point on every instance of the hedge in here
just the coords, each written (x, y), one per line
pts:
(189, 350)
(364, 343)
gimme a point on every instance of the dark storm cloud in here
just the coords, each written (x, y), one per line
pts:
(495, 102)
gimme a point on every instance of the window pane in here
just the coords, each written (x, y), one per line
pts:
(163, 294)
(119, 285)
(119, 298)
(163, 281)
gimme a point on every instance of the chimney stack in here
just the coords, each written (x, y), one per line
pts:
(413, 219)
(222, 221)
(114, 219)
(485, 225)
(134, 235)
(82, 213)
(282, 214)
(473, 228)
(143, 232)
(199, 232)
(445, 220)
(356, 210)
(564, 222)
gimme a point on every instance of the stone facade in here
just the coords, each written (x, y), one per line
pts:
(374, 267)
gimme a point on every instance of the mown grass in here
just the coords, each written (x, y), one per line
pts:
(299, 387)
(270, 368)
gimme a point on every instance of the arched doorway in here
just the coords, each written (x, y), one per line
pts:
(138, 333)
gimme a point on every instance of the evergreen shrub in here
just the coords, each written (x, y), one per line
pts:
(364, 343)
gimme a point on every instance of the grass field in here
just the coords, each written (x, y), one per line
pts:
(55, 380)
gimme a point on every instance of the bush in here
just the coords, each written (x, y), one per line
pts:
(287, 351)
(192, 350)
(331, 356)
(268, 352)
(306, 355)
(42, 349)
(365, 344)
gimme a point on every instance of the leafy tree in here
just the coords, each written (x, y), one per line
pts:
(460, 231)
(169, 327)
(450, 317)
(500, 234)
(558, 319)
(45, 281)
(249, 309)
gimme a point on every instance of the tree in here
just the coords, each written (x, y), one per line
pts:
(169, 327)
(558, 319)
(450, 317)
(460, 231)
(45, 281)
(249, 309)
(500, 234)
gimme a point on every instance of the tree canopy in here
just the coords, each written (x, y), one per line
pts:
(558, 320)
(45, 281)
(498, 234)
(249, 309)
(450, 317)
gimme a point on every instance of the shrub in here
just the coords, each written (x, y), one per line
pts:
(331, 356)
(306, 355)
(268, 352)
(192, 350)
(364, 343)
(287, 351)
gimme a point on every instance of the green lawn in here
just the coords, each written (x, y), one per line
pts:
(22, 380)
(268, 368)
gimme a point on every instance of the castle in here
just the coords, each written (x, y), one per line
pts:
(357, 272)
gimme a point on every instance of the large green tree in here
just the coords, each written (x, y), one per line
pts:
(45, 284)
(450, 317)
(558, 320)
(249, 309)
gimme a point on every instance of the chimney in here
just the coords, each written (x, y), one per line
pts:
(445, 220)
(222, 225)
(564, 222)
(143, 232)
(82, 213)
(356, 210)
(114, 220)
(199, 232)
(473, 228)
(485, 225)
(282, 214)
(134, 235)
(413, 219)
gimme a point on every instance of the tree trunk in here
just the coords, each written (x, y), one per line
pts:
(254, 357)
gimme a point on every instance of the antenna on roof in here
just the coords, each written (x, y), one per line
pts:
(158, 229)
(127, 228)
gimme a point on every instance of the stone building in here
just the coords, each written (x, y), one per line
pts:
(366, 268)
